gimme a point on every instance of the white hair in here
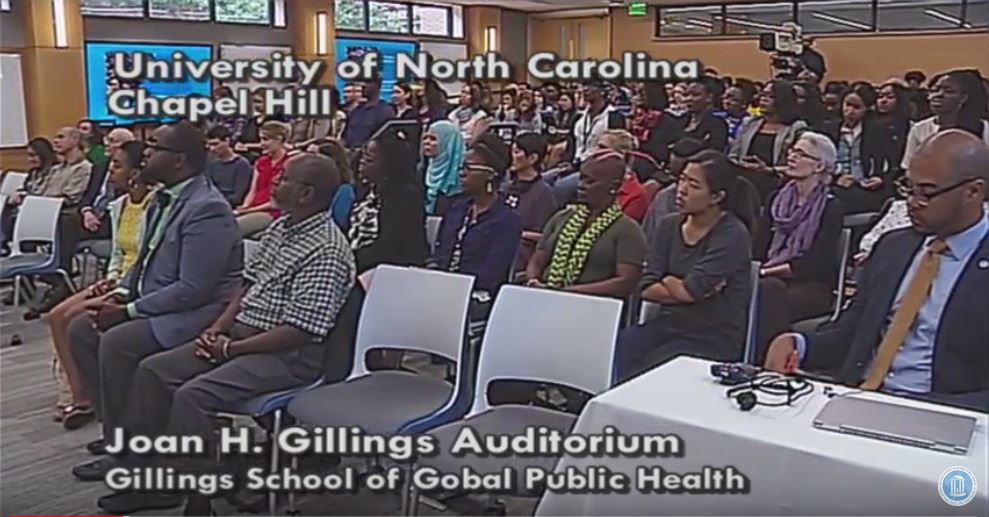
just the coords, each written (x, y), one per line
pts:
(823, 149)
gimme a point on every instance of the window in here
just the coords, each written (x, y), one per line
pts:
(757, 18)
(458, 21)
(430, 20)
(194, 10)
(690, 21)
(919, 14)
(388, 17)
(350, 15)
(243, 11)
(127, 8)
(835, 16)
(4, 5)
(977, 13)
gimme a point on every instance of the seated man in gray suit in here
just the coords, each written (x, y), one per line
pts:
(269, 338)
(188, 269)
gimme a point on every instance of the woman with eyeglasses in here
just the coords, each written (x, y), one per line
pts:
(479, 235)
(797, 240)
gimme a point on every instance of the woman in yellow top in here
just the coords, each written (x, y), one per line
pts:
(73, 407)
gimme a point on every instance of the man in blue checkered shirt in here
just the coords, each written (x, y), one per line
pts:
(268, 339)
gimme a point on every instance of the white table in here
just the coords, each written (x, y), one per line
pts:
(793, 468)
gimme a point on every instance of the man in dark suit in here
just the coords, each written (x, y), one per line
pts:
(188, 269)
(918, 324)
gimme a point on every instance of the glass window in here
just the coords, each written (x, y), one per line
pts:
(458, 21)
(4, 5)
(388, 17)
(757, 18)
(128, 8)
(689, 21)
(350, 15)
(243, 11)
(835, 16)
(977, 14)
(197, 10)
(919, 14)
(430, 20)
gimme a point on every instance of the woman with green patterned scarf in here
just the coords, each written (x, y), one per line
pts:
(591, 247)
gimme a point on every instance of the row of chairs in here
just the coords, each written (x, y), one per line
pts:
(37, 223)
(576, 336)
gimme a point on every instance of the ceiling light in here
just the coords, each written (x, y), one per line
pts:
(943, 16)
(842, 21)
(749, 23)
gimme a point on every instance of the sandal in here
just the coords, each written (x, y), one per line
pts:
(59, 415)
(76, 417)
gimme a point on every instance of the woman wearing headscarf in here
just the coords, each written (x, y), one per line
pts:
(444, 148)
(797, 240)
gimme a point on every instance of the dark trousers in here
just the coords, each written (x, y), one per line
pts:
(782, 303)
(175, 392)
(107, 361)
(644, 347)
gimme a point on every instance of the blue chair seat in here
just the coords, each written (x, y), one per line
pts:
(28, 263)
(271, 402)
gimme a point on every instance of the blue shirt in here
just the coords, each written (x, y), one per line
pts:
(343, 201)
(912, 367)
(484, 248)
(364, 120)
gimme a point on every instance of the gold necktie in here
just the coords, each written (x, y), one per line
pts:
(913, 299)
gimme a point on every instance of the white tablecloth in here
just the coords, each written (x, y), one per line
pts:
(793, 468)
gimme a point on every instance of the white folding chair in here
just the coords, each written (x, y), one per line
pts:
(12, 182)
(407, 309)
(37, 221)
(571, 343)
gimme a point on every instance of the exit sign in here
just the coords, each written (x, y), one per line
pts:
(637, 9)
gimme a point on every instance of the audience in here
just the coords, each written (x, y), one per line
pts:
(401, 101)
(343, 200)
(665, 201)
(229, 172)
(631, 196)
(388, 221)
(763, 141)
(479, 235)
(862, 181)
(257, 210)
(526, 192)
(173, 291)
(443, 148)
(470, 112)
(797, 239)
(92, 141)
(529, 119)
(73, 406)
(267, 338)
(41, 159)
(701, 123)
(698, 270)
(909, 328)
(367, 117)
(432, 106)
(893, 115)
(591, 248)
(958, 101)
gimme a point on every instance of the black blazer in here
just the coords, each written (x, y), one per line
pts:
(877, 147)
(960, 373)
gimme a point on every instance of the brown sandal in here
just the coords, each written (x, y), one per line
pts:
(76, 417)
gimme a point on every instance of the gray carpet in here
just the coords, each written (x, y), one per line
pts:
(36, 454)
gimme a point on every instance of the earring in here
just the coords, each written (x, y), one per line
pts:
(489, 187)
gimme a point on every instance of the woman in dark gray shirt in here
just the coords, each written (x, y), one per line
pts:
(698, 270)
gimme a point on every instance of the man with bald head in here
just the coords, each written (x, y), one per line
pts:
(917, 324)
(269, 338)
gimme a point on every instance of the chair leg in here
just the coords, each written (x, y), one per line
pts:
(68, 280)
(291, 493)
(410, 496)
(17, 291)
(273, 440)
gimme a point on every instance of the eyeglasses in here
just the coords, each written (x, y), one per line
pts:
(908, 190)
(800, 153)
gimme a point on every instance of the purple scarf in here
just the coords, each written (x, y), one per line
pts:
(794, 226)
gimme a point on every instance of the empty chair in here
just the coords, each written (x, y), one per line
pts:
(12, 182)
(406, 309)
(570, 342)
(37, 222)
